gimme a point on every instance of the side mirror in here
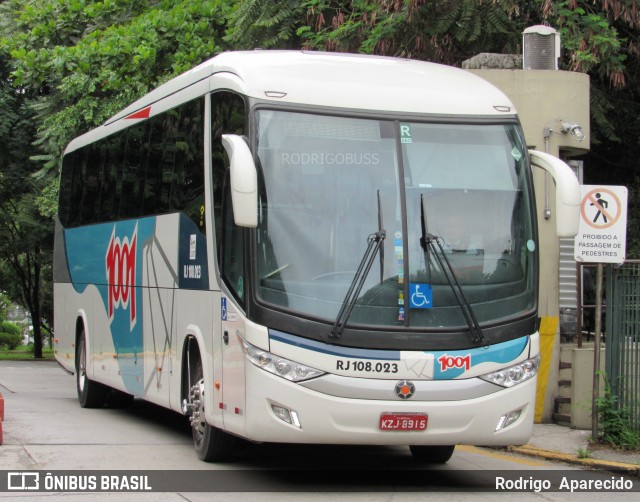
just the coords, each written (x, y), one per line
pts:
(244, 181)
(567, 192)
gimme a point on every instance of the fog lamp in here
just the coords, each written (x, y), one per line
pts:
(286, 415)
(506, 420)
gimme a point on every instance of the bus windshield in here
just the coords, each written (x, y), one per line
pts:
(328, 183)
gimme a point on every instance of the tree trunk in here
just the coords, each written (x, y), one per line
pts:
(35, 312)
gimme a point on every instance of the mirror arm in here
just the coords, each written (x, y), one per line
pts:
(568, 197)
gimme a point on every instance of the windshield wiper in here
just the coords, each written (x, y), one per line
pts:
(380, 227)
(374, 244)
(433, 242)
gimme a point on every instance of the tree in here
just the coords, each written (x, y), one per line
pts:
(87, 60)
(10, 334)
(26, 244)
(5, 303)
(445, 31)
(265, 24)
(71, 64)
(598, 38)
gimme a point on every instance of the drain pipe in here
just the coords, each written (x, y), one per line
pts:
(547, 206)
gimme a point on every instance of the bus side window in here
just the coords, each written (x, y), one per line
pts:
(91, 176)
(228, 116)
(232, 248)
(132, 179)
(191, 148)
(71, 187)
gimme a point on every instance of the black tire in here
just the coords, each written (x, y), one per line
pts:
(432, 454)
(90, 394)
(211, 444)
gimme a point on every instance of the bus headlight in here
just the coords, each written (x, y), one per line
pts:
(513, 375)
(292, 371)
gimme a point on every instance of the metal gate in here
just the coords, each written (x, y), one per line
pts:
(623, 338)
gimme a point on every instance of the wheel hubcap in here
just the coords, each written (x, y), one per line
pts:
(196, 407)
(82, 367)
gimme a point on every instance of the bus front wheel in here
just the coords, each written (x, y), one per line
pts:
(432, 454)
(211, 444)
(90, 394)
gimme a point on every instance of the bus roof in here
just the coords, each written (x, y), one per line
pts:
(350, 81)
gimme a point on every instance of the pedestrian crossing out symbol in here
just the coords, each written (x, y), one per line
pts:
(601, 208)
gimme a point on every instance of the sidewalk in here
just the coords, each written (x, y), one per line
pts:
(556, 442)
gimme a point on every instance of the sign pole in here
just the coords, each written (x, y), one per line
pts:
(596, 353)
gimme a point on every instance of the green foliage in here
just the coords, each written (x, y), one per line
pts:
(10, 335)
(264, 24)
(10, 328)
(24, 353)
(26, 235)
(591, 39)
(442, 30)
(5, 303)
(615, 421)
(601, 109)
(633, 216)
(65, 67)
(83, 61)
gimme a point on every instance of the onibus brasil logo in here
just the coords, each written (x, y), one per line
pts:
(121, 274)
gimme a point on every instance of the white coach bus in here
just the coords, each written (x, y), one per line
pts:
(309, 248)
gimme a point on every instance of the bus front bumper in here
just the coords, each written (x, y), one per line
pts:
(322, 418)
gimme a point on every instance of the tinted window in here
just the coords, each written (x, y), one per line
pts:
(227, 117)
(153, 167)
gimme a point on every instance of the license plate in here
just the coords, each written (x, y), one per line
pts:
(403, 421)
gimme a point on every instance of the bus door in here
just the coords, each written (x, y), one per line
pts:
(232, 389)
(233, 324)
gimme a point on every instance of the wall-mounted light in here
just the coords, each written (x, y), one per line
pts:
(574, 129)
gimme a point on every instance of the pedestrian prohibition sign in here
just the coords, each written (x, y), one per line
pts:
(603, 225)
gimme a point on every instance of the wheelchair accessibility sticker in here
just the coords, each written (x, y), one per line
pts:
(420, 296)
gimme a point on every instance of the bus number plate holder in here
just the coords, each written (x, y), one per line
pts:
(403, 421)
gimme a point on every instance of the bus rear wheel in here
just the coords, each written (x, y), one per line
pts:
(211, 444)
(432, 454)
(90, 394)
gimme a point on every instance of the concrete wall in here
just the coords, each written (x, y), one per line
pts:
(544, 100)
(582, 386)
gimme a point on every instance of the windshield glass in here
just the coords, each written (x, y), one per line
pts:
(328, 183)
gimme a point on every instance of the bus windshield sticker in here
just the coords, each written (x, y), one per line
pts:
(516, 153)
(192, 247)
(405, 134)
(241, 287)
(227, 313)
(421, 296)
